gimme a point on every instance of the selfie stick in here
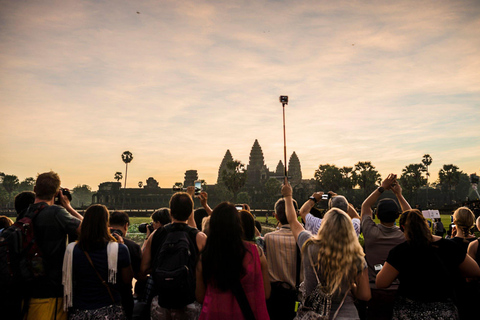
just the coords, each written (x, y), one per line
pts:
(284, 101)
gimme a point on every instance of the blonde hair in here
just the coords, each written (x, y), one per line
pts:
(340, 256)
(464, 218)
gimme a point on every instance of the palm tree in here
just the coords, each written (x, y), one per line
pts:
(427, 160)
(127, 157)
(118, 176)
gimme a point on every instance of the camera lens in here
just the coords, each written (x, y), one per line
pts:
(142, 227)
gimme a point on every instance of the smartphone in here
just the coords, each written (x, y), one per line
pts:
(239, 208)
(198, 187)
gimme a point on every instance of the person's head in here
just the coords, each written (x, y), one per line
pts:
(94, 230)
(181, 206)
(199, 214)
(161, 217)
(47, 186)
(5, 222)
(23, 200)
(224, 251)
(119, 220)
(387, 210)
(280, 210)
(339, 202)
(415, 227)
(464, 219)
(248, 225)
(339, 255)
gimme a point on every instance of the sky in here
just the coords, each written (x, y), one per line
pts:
(177, 83)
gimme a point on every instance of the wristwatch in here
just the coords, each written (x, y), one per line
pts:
(313, 199)
(381, 189)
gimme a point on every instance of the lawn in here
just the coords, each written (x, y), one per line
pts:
(139, 237)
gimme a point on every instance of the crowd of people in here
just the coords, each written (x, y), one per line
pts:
(212, 264)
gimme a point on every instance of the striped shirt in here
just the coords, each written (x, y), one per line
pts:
(281, 252)
(313, 223)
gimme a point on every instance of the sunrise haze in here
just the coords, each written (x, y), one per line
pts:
(177, 83)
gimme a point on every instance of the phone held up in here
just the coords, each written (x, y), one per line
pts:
(198, 187)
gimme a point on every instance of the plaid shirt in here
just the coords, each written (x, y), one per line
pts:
(281, 252)
(313, 223)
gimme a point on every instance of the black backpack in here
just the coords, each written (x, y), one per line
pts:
(21, 260)
(174, 267)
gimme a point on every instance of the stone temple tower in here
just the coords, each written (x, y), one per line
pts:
(280, 171)
(294, 169)
(257, 171)
(223, 166)
(190, 177)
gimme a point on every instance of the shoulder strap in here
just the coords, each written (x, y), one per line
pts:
(297, 271)
(34, 210)
(242, 300)
(340, 306)
(99, 276)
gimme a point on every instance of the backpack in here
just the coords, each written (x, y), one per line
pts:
(174, 272)
(21, 259)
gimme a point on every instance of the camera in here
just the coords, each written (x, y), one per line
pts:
(325, 196)
(142, 227)
(66, 193)
(239, 207)
(284, 99)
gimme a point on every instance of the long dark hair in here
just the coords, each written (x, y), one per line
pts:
(94, 230)
(415, 228)
(222, 258)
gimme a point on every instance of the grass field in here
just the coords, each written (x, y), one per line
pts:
(139, 237)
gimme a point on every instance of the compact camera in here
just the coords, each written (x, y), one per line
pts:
(66, 193)
(325, 196)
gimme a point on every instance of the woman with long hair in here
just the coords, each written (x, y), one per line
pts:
(333, 261)
(421, 258)
(94, 268)
(232, 274)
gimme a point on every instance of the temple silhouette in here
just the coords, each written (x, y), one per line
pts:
(152, 196)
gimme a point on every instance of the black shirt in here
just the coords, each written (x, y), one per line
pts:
(417, 266)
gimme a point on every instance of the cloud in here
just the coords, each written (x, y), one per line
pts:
(182, 82)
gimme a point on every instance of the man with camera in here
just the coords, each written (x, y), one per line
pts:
(379, 240)
(313, 223)
(119, 223)
(52, 225)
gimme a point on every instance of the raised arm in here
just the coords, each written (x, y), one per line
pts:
(373, 197)
(203, 196)
(66, 204)
(398, 193)
(352, 212)
(191, 219)
(309, 204)
(295, 226)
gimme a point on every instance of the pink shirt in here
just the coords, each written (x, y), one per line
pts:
(219, 305)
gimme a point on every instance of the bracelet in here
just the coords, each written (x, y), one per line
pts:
(313, 199)
(381, 189)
